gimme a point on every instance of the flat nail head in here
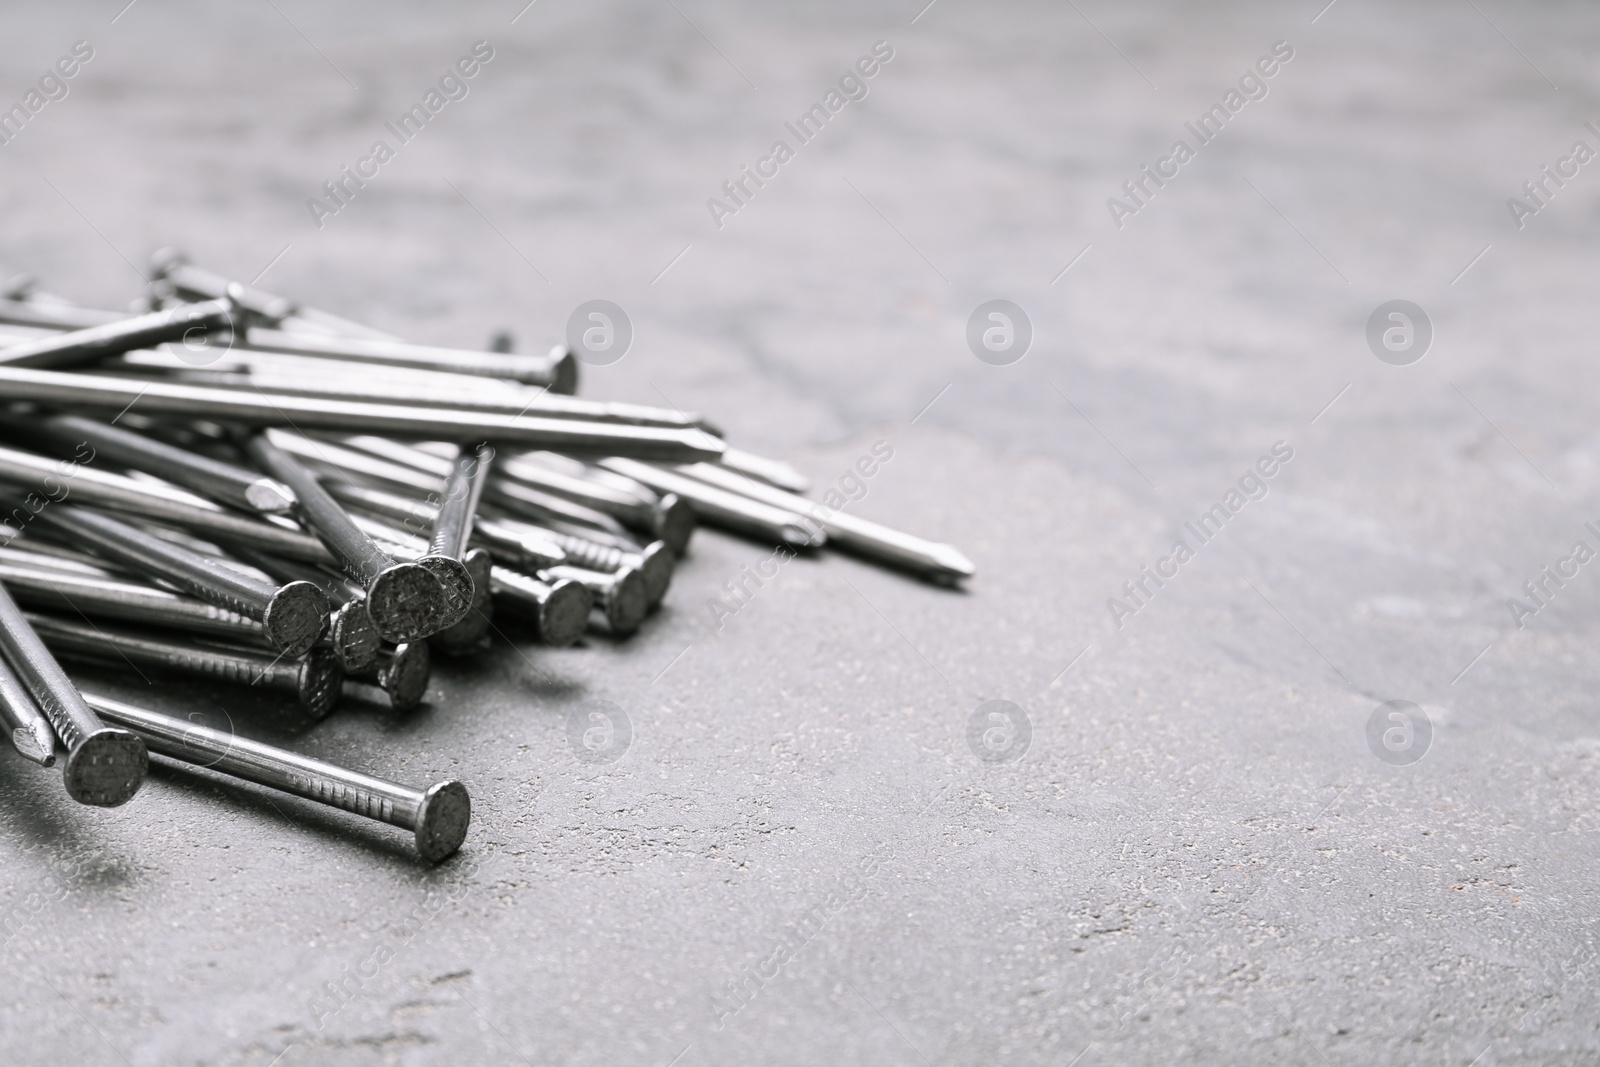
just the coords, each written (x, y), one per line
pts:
(629, 601)
(404, 603)
(106, 768)
(355, 638)
(468, 634)
(442, 820)
(565, 613)
(458, 586)
(295, 617)
(656, 566)
(270, 497)
(37, 745)
(319, 682)
(674, 522)
(405, 678)
(564, 380)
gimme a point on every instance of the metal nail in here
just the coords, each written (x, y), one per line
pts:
(621, 597)
(668, 516)
(407, 602)
(407, 466)
(772, 471)
(560, 375)
(105, 765)
(403, 673)
(167, 505)
(846, 530)
(358, 466)
(314, 679)
(375, 516)
(352, 634)
(543, 508)
(432, 424)
(24, 723)
(655, 562)
(517, 545)
(451, 533)
(292, 616)
(76, 347)
(452, 523)
(559, 610)
(252, 371)
(40, 586)
(438, 816)
(190, 282)
(35, 551)
(224, 483)
(723, 508)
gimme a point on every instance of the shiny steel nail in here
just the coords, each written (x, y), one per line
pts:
(559, 375)
(668, 516)
(451, 533)
(76, 347)
(518, 546)
(407, 602)
(655, 562)
(850, 531)
(293, 616)
(105, 765)
(559, 610)
(399, 464)
(224, 483)
(621, 598)
(190, 282)
(723, 508)
(772, 471)
(314, 679)
(24, 723)
(103, 392)
(437, 816)
(403, 673)
(352, 634)
(169, 506)
(256, 372)
(103, 596)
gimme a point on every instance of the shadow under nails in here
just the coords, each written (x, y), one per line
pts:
(60, 837)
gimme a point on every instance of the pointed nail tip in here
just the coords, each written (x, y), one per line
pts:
(39, 749)
(953, 560)
(270, 497)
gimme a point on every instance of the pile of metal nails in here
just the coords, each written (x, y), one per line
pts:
(227, 484)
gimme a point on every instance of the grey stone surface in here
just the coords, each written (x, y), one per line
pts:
(1198, 859)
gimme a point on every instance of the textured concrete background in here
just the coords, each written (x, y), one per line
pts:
(1199, 858)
